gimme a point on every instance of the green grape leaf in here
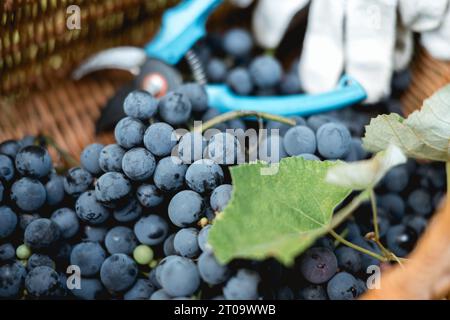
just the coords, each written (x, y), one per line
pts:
(425, 134)
(365, 174)
(275, 213)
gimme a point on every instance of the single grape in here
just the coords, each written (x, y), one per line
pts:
(39, 260)
(41, 233)
(196, 94)
(138, 164)
(90, 158)
(89, 257)
(203, 239)
(175, 108)
(333, 140)
(220, 197)
(120, 240)
(143, 254)
(10, 148)
(118, 272)
(67, 221)
(12, 277)
(299, 140)
(401, 239)
(42, 282)
(149, 195)
(112, 189)
(179, 277)
(6, 168)
(265, 71)
(33, 161)
(141, 290)
(77, 181)
(240, 81)
(318, 265)
(94, 234)
(110, 158)
(238, 43)
(130, 212)
(223, 148)
(160, 138)
(204, 175)
(313, 292)
(185, 242)
(420, 202)
(160, 295)
(7, 252)
(90, 289)
(140, 104)
(417, 223)
(88, 209)
(216, 70)
(349, 259)
(290, 84)
(185, 208)
(397, 179)
(8, 221)
(316, 121)
(151, 230)
(191, 147)
(28, 194)
(169, 174)
(129, 132)
(393, 204)
(54, 189)
(168, 246)
(211, 271)
(242, 286)
(343, 286)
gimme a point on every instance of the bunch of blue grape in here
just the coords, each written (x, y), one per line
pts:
(134, 217)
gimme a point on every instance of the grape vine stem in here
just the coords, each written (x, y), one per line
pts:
(356, 247)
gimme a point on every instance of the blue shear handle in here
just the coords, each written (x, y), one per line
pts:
(347, 93)
(182, 26)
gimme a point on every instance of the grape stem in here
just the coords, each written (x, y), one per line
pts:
(374, 214)
(240, 114)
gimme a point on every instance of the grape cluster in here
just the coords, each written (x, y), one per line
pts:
(134, 217)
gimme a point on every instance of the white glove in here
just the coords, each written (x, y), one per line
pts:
(364, 38)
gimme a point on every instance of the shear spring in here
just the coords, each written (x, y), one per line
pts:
(196, 67)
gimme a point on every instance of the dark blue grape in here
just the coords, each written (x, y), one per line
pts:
(112, 189)
(204, 176)
(290, 84)
(25, 219)
(356, 152)
(90, 289)
(313, 292)
(89, 257)
(149, 195)
(393, 204)
(299, 140)
(160, 139)
(223, 148)
(90, 158)
(28, 194)
(41, 233)
(401, 239)
(420, 202)
(142, 290)
(211, 271)
(110, 158)
(120, 240)
(160, 295)
(7, 252)
(397, 179)
(349, 259)
(185, 242)
(138, 164)
(318, 265)
(175, 108)
(238, 43)
(77, 181)
(196, 94)
(203, 239)
(220, 197)
(266, 71)
(243, 286)
(179, 277)
(343, 286)
(140, 104)
(12, 277)
(6, 168)
(417, 223)
(55, 189)
(10, 148)
(43, 282)
(94, 234)
(39, 260)
(151, 230)
(33, 161)
(129, 132)
(186, 208)
(130, 212)
(118, 272)
(271, 149)
(333, 140)
(216, 70)
(316, 121)
(67, 221)
(169, 174)
(240, 81)
(88, 209)
(191, 147)
(8, 221)
(168, 246)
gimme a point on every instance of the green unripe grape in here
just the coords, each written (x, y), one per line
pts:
(143, 254)
(23, 252)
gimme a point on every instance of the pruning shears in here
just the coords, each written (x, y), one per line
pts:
(154, 69)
